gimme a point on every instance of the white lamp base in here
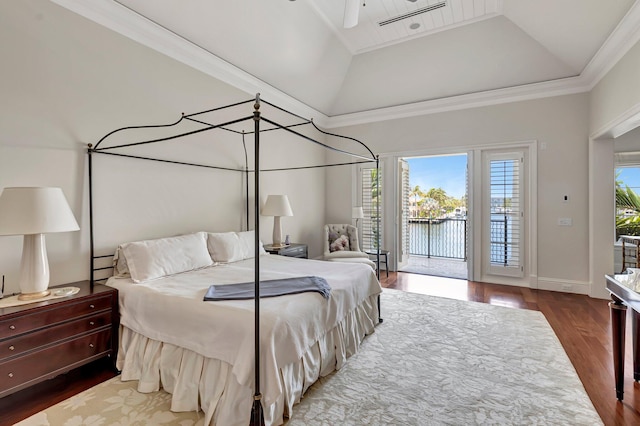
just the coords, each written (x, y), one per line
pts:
(277, 233)
(34, 268)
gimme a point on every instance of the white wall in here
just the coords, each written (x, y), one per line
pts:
(616, 97)
(66, 82)
(561, 123)
(614, 108)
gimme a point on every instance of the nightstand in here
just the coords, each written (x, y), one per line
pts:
(373, 255)
(292, 250)
(41, 340)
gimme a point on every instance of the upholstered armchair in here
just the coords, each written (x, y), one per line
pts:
(341, 245)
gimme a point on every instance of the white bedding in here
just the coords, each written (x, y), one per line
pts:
(170, 310)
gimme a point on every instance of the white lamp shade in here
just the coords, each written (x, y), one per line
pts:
(277, 205)
(357, 213)
(35, 210)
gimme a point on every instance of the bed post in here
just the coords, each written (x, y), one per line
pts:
(246, 180)
(90, 218)
(257, 418)
(378, 230)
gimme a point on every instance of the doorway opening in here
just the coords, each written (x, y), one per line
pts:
(435, 232)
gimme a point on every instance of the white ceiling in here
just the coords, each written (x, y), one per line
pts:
(370, 35)
(464, 51)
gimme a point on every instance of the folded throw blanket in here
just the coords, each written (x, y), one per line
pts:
(269, 288)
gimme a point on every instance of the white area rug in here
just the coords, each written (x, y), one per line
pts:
(433, 361)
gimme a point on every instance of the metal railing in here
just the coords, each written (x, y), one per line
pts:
(445, 237)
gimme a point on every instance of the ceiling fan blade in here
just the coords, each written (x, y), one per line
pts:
(351, 10)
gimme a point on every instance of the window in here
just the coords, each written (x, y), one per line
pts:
(505, 219)
(371, 189)
(627, 199)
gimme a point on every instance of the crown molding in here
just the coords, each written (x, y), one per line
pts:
(620, 41)
(565, 86)
(117, 17)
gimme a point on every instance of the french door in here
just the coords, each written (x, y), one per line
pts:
(505, 218)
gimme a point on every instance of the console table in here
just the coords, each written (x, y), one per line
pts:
(622, 297)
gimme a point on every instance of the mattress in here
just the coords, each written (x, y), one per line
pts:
(203, 352)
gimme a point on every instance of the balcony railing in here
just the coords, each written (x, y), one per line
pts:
(446, 238)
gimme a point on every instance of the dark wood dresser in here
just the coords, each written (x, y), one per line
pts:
(41, 340)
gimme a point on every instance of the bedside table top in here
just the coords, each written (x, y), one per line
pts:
(85, 291)
(373, 252)
(271, 247)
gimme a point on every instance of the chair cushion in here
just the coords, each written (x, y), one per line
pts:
(354, 260)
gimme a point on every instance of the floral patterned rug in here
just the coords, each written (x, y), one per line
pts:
(433, 361)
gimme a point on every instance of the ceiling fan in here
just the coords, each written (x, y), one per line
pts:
(351, 10)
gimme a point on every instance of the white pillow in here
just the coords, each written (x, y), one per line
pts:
(224, 247)
(151, 259)
(247, 244)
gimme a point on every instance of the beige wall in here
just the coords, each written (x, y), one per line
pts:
(617, 96)
(561, 123)
(65, 82)
(615, 105)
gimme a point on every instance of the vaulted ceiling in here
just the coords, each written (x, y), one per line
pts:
(462, 52)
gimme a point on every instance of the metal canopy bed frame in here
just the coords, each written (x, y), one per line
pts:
(257, 118)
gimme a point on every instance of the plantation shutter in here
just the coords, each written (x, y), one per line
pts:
(371, 182)
(404, 220)
(506, 213)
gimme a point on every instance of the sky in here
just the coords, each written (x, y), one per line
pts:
(629, 176)
(446, 172)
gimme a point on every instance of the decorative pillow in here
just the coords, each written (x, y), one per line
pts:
(224, 247)
(152, 259)
(120, 267)
(340, 243)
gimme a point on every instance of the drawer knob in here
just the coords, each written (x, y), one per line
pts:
(10, 374)
(12, 327)
(92, 306)
(11, 348)
(91, 345)
(91, 323)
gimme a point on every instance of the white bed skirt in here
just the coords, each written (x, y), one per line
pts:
(197, 382)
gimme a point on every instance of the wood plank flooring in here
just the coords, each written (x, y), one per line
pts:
(582, 325)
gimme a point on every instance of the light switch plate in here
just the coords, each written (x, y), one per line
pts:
(565, 221)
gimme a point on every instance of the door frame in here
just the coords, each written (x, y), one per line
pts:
(474, 189)
(530, 246)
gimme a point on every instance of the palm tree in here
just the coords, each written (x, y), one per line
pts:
(416, 196)
(627, 211)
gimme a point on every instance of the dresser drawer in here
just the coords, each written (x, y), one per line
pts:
(29, 322)
(26, 342)
(52, 360)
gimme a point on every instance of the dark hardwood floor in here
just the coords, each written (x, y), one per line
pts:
(581, 323)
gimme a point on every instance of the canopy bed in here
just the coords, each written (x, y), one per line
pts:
(235, 359)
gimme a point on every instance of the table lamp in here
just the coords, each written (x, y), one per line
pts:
(33, 212)
(276, 206)
(357, 213)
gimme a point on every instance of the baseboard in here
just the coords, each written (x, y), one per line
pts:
(564, 286)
